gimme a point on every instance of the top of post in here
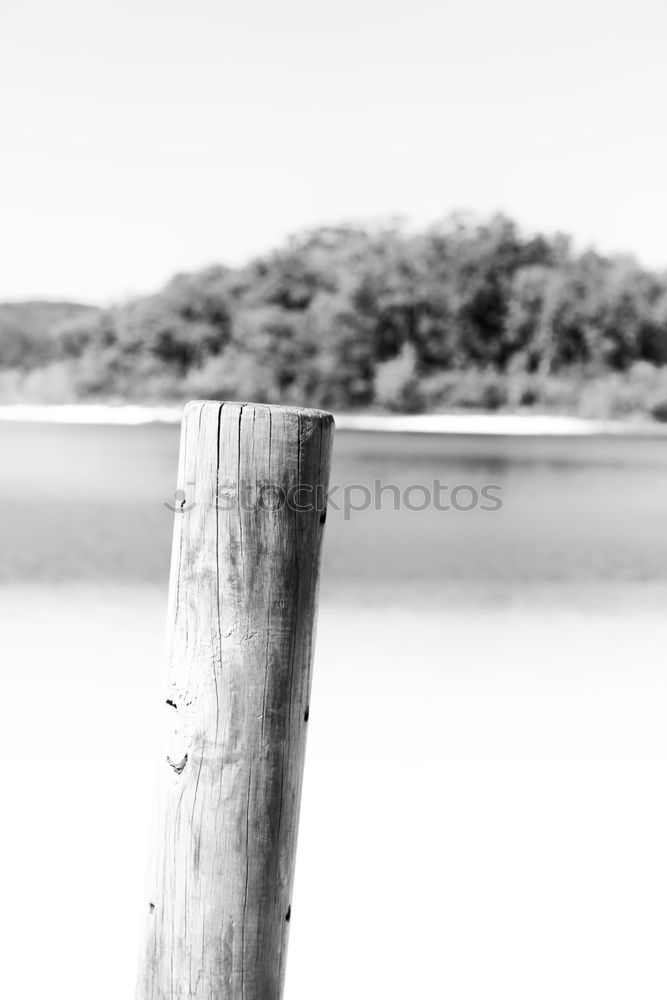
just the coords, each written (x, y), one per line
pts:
(273, 408)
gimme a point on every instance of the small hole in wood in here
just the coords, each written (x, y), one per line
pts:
(323, 517)
(288, 914)
(306, 714)
(177, 767)
(151, 907)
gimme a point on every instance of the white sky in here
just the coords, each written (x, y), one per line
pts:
(141, 138)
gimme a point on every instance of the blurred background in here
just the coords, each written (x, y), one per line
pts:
(384, 210)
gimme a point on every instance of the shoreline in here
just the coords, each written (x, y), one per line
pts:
(482, 424)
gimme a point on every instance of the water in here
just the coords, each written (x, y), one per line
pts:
(483, 812)
(581, 514)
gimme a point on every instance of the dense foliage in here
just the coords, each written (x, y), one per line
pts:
(25, 330)
(465, 314)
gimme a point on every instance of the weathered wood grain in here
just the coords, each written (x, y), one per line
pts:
(243, 595)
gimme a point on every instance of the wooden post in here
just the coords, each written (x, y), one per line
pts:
(242, 605)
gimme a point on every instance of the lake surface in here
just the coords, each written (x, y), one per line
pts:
(483, 810)
(88, 503)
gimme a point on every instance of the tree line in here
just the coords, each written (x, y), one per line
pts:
(464, 314)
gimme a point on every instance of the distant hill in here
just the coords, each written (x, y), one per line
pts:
(465, 315)
(26, 329)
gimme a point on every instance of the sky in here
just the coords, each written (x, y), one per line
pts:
(144, 138)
